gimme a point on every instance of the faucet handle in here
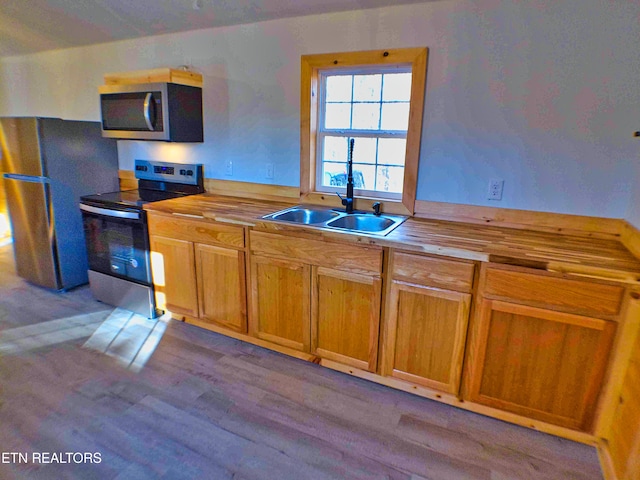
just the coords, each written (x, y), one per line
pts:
(376, 208)
(347, 202)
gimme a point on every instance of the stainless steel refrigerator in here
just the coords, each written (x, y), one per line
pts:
(47, 164)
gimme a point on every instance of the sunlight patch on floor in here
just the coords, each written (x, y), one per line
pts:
(128, 337)
(21, 339)
(119, 333)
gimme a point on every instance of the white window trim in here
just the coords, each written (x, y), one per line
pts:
(354, 133)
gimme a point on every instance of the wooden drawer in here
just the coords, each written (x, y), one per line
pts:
(537, 289)
(197, 231)
(433, 271)
(365, 260)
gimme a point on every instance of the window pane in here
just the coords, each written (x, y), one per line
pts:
(364, 150)
(364, 176)
(338, 88)
(397, 87)
(395, 116)
(392, 150)
(367, 88)
(390, 179)
(366, 116)
(335, 148)
(333, 174)
(337, 115)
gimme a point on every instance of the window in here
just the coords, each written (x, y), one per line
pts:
(376, 99)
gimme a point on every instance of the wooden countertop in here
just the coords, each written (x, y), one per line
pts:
(594, 257)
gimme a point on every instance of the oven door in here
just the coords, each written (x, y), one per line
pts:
(117, 242)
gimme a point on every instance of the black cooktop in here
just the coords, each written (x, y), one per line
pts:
(129, 198)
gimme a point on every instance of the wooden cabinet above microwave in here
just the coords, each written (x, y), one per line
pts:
(162, 111)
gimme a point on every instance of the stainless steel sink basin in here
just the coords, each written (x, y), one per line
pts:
(361, 222)
(367, 223)
(303, 215)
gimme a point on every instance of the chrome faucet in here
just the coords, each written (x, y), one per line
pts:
(348, 200)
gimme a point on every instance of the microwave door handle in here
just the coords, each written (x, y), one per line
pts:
(147, 110)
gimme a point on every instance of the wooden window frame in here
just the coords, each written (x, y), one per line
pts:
(311, 65)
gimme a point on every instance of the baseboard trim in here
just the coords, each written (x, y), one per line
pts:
(606, 462)
(246, 338)
(257, 191)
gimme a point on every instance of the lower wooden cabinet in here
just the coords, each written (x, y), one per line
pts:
(174, 275)
(317, 297)
(539, 363)
(425, 335)
(222, 286)
(199, 270)
(427, 315)
(280, 301)
(201, 281)
(345, 318)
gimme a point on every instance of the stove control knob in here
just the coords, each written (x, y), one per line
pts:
(183, 171)
(189, 173)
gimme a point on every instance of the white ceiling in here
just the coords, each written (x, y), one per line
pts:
(29, 26)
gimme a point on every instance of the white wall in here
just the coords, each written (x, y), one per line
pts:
(543, 94)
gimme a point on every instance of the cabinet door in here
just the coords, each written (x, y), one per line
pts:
(346, 317)
(222, 293)
(539, 363)
(280, 293)
(174, 275)
(425, 336)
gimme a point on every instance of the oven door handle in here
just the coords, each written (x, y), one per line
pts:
(110, 213)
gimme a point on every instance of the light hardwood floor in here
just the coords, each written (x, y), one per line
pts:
(205, 406)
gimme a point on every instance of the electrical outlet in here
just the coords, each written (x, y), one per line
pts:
(269, 170)
(495, 189)
(228, 168)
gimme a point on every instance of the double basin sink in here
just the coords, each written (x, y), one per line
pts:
(360, 222)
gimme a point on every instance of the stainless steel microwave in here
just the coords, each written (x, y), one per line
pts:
(168, 112)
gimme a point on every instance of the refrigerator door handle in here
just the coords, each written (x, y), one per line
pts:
(27, 178)
(109, 213)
